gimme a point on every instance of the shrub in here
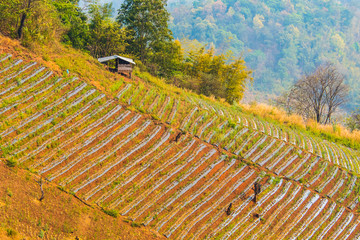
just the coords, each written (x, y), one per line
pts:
(232, 124)
(10, 232)
(111, 212)
(9, 192)
(41, 234)
(135, 224)
(67, 228)
(11, 163)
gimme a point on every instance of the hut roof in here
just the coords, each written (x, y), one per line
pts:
(105, 59)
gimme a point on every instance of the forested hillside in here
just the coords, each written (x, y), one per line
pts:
(280, 39)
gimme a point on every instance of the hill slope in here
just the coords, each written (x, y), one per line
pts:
(173, 160)
(59, 215)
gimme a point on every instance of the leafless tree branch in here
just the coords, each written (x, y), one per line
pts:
(317, 95)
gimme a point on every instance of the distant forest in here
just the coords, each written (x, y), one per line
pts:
(280, 39)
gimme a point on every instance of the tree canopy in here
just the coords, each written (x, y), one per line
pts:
(217, 75)
(30, 20)
(150, 37)
(147, 23)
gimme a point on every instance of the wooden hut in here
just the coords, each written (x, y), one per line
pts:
(118, 64)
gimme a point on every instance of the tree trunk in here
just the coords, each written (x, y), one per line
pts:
(23, 18)
(318, 117)
(22, 23)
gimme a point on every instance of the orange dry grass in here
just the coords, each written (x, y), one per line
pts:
(336, 133)
(337, 130)
(270, 112)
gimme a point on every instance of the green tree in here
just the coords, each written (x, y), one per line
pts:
(217, 77)
(74, 22)
(167, 58)
(147, 24)
(9, 12)
(106, 36)
(237, 76)
(31, 21)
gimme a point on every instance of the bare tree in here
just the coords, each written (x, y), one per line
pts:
(336, 92)
(353, 121)
(318, 95)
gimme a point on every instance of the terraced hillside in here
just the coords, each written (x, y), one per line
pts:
(175, 162)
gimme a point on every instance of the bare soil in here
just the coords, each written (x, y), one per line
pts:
(58, 216)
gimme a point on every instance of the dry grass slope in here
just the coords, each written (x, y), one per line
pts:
(58, 216)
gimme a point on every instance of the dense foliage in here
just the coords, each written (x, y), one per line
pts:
(150, 40)
(210, 74)
(280, 40)
(30, 20)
